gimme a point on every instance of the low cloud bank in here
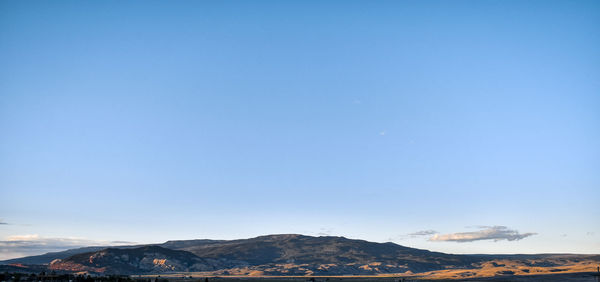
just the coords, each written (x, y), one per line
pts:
(28, 245)
(495, 233)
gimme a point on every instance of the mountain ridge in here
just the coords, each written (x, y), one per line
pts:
(290, 254)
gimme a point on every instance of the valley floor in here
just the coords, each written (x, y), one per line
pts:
(494, 270)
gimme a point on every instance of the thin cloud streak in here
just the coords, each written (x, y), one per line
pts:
(417, 234)
(496, 233)
(423, 233)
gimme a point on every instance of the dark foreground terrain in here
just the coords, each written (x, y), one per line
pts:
(21, 277)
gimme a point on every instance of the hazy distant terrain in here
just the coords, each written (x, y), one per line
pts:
(299, 255)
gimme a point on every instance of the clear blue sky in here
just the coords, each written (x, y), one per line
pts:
(146, 121)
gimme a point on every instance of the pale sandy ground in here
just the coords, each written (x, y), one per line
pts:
(498, 268)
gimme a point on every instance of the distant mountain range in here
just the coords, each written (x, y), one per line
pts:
(292, 254)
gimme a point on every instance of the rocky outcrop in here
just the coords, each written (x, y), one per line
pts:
(148, 259)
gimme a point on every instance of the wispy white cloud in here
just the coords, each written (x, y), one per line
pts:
(422, 233)
(33, 244)
(495, 233)
(416, 234)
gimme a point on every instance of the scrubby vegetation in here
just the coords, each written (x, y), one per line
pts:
(54, 277)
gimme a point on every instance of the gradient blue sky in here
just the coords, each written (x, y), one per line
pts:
(146, 121)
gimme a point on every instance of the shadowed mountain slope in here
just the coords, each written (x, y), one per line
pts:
(300, 249)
